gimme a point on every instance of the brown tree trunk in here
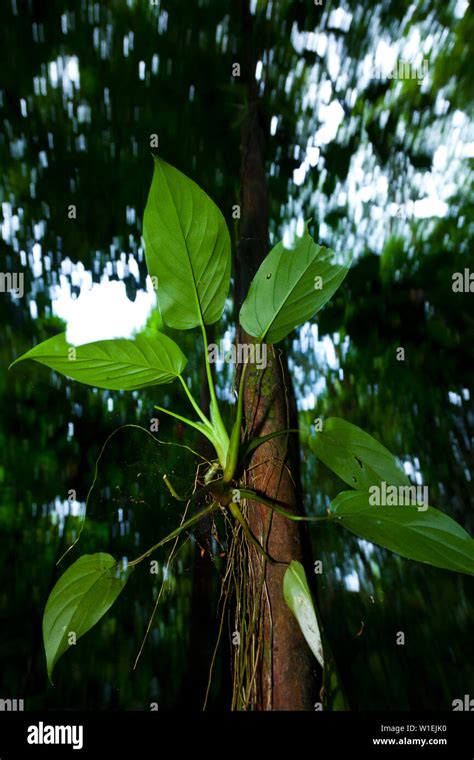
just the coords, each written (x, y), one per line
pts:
(285, 673)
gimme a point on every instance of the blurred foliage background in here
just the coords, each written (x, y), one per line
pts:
(383, 167)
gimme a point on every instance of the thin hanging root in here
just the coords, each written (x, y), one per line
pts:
(237, 514)
(238, 581)
(96, 470)
(249, 594)
(171, 557)
(225, 594)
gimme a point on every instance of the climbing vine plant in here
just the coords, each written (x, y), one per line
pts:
(188, 251)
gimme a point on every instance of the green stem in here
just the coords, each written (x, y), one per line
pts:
(255, 442)
(234, 445)
(217, 423)
(193, 402)
(253, 496)
(204, 429)
(184, 526)
(210, 432)
(171, 489)
(210, 382)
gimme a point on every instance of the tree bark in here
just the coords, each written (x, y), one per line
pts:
(285, 677)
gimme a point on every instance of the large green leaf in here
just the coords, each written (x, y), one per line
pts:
(426, 536)
(298, 598)
(358, 459)
(286, 291)
(187, 247)
(119, 364)
(82, 595)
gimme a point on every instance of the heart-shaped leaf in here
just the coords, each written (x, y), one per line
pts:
(187, 247)
(358, 459)
(82, 595)
(118, 364)
(419, 533)
(291, 285)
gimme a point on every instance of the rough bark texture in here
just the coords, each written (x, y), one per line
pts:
(286, 670)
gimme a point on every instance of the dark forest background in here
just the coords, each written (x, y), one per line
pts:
(383, 168)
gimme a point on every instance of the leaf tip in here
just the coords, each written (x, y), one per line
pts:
(18, 359)
(50, 663)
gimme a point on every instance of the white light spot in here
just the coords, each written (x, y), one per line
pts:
(102, 311)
